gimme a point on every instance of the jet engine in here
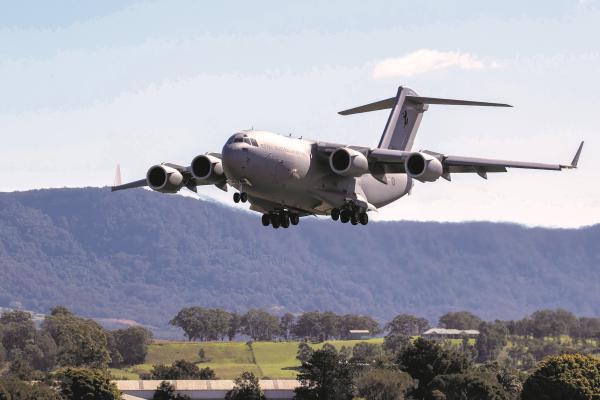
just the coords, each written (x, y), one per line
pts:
(164, 179)
(207, 168)
(347, 162)
(423, 167)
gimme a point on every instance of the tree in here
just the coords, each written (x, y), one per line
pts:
(132, 344)
(260, 325)
(354, 321)
(325, 376)
(588, 328)
(81, 342)
(567, 376)
(181, 369)
(308, 325)
(425, 359)
(18, 330)
(552, 323)
(246, 387)
(85, 383)
(20, 390)
(393, 344)
(466, 386)
(285, 325)
(234, 326)
(365, 352)
(384, 384)
(491, 340)
(304, 352)
(460, 320)
(407, 325)
(166, 391)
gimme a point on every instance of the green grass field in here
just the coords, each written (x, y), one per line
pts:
(276, 360)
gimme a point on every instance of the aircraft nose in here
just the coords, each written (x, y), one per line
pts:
(232, 159)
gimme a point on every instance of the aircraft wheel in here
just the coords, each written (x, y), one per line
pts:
(294, 219)
(285, 221)
(345, 216)
(275, 221)
(236, 197)
(335, 214)
(354, 220)
(244, 197)
(266, 220)
(363, 218)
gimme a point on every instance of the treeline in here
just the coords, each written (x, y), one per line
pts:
(66, 340)
(427, 370)
(213, 324)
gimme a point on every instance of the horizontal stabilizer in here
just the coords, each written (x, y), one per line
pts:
(389, 103)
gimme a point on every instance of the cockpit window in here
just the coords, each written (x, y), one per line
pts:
(238, 140)
(254, 142)
(247, 141)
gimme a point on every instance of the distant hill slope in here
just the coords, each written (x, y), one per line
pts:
(142, 256)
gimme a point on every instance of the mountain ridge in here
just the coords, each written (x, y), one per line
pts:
(141, 256)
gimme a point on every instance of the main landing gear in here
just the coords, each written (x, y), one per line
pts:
(237, 197)
(350, 213)
(282, 218)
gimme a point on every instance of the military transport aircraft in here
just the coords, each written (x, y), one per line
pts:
(285, 178)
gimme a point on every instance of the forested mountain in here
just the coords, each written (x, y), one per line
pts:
(142, 256)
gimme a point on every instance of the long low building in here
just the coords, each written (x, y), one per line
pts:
(278, 389)
(443, 333)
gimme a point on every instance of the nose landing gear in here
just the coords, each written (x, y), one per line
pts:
(237, 197)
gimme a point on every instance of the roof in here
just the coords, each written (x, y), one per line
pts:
(220, 384)
(359, 331)
(444, 331)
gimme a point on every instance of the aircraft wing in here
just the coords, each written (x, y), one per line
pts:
(460, 164)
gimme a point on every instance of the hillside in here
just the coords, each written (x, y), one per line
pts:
(138, 255)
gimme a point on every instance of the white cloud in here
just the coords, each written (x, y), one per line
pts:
(426, 60)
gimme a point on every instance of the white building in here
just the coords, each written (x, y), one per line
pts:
(443, 333)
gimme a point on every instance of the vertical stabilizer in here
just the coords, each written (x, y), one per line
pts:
(403, 122)
(117, 181)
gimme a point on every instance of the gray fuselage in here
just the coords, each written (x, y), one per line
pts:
(284, 172)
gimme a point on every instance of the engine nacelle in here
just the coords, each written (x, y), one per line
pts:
(164, 179)
(423, 167)
(207, 168)
(347, 162)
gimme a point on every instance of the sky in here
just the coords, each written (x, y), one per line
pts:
(85, 85)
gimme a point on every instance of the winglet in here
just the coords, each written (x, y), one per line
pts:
(575, 159)
(117, 181)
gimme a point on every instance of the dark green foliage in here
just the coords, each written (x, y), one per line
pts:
(325, 376)
(235, 324)
(259, 325)
(304, 352)
(469, 386)
(553, 323)
(491, 340)
(85, 384)
(199, 323)
(355, 321)
(424, 360)
(246, 387)
(285, 325)
(460, 320)
(393, 344)
(384, 384)
(166, 391)
(19, 390)
(568, 376)
(181, 369)
(81, 342)
(365, 352)
(88, 248)
(131, 344)
(18, 330)
(407, 325)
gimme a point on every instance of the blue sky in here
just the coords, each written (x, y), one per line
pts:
(87, 84)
